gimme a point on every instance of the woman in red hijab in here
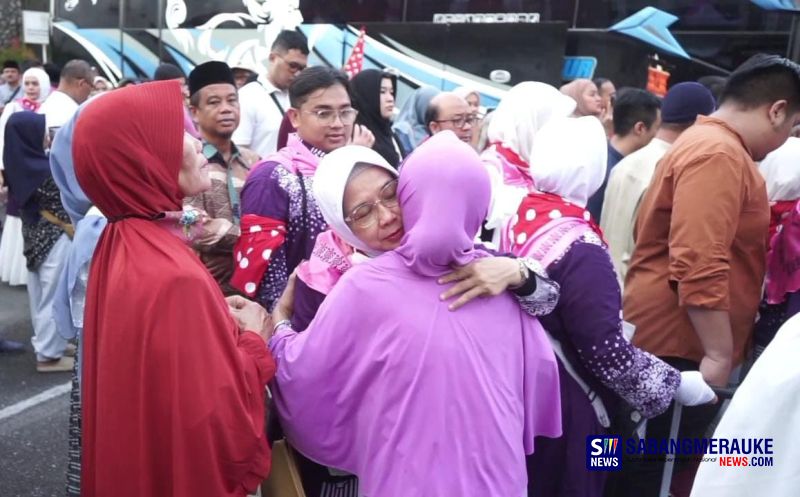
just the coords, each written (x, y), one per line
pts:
(173, 387)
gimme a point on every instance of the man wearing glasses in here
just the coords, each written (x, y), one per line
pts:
(265, 100)
(448, 111)
(280, 217)
(74, 88)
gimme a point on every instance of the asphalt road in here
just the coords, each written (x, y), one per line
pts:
(33, 441)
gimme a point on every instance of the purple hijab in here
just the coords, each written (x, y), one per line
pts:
(444, 201)
(389, 385)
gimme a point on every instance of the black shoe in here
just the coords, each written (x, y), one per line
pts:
(12, 347)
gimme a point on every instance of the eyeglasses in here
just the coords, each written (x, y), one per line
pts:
(366, 214)
(460, 121)
(293, 66)
(327, 117)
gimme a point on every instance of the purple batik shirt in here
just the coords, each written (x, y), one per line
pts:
(587, 321)
(273, 191)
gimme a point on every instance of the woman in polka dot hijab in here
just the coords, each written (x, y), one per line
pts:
(570, 157)
(598, 367)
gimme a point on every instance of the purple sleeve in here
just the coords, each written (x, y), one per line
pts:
(263, 195)
(590, 311)
(306, 304)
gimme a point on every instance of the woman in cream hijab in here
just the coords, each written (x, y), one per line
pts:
(586, 95)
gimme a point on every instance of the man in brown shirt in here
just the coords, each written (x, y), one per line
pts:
(214, 104)
(695, 279)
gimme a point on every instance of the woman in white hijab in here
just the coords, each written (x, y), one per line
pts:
(782, 175)
(512, 132)
(36, 86)
(765, 406)
(599, 368)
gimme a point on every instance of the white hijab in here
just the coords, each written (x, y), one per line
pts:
(12, 107)
(44, 82)
(780, 170)
(570, 157)
(523, 111)
(330, 181)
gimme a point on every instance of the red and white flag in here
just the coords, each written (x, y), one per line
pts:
(356, 61)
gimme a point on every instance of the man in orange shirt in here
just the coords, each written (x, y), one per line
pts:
(695, 278)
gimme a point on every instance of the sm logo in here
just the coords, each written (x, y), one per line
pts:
(603, 453)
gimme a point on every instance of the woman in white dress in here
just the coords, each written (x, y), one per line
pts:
(36, 88)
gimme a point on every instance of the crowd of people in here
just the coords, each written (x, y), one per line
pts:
(432, 300)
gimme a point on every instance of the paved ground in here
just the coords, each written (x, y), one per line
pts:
(33, 442)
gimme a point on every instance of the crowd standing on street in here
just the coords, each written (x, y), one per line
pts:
(411, 299)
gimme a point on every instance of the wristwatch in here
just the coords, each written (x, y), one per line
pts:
(528, 269)
(524, 273)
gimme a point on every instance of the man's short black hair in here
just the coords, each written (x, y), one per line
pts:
(290, 40)
(77, 69)
(53, 72)
(763, 79)
(715, 85)
(431, 115)
(166, 71)
(28, 63)
(633, 105)
(312, 79)
(599, 82)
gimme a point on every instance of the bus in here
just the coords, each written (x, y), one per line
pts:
(485, 44)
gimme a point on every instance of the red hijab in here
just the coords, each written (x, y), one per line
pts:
(172, 393)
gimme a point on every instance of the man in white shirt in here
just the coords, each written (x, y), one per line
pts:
(11, 88)
(264, 102)
(74, 88)
(631, 177)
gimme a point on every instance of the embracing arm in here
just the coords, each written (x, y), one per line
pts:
(321, 360)
(489, 276)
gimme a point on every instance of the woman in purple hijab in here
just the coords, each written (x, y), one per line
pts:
(412, 398)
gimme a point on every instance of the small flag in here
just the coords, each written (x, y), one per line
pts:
(657, 79)
(356, 61)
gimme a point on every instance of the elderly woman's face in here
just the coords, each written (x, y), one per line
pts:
(32, 88)
(193, 177)
(370, 203)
